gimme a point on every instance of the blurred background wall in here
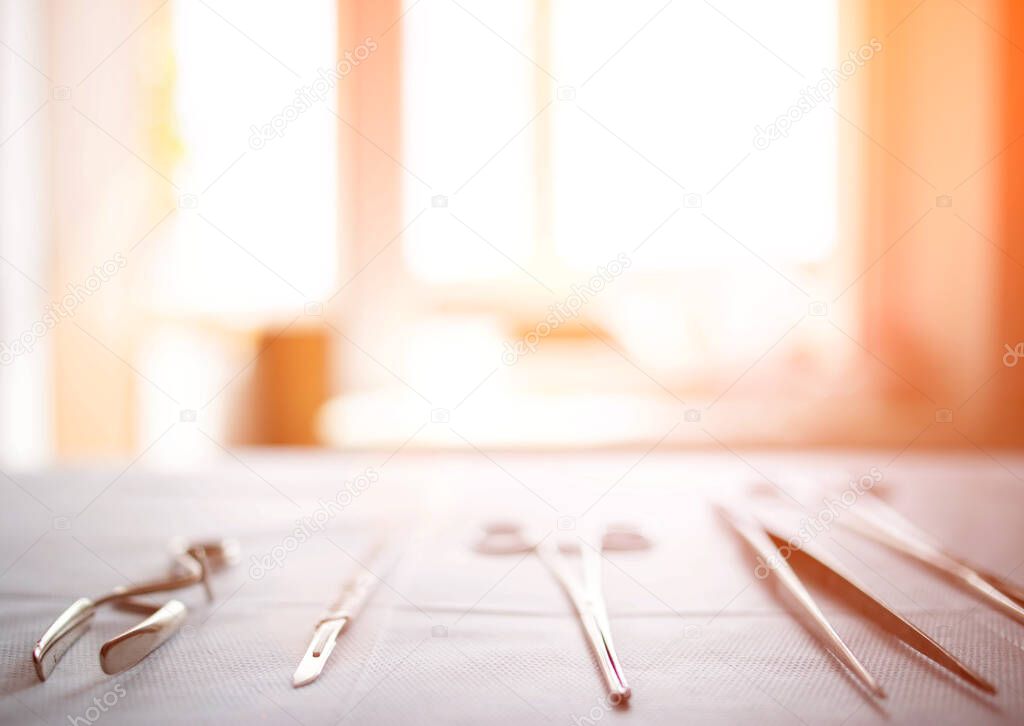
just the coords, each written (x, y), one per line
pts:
(464, 224)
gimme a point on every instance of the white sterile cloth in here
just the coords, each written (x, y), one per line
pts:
(455, 636)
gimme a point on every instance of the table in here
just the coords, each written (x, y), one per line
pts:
(458, 637)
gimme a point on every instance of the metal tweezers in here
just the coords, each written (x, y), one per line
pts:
(875, 519)
(766, 539)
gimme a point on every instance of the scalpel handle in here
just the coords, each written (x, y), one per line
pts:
(353, 597)
(350, 602)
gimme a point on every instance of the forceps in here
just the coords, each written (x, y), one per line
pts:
(192, 564)
(766, 539)
(586, 595)
(875, 519)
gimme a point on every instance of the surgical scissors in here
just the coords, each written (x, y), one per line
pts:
(766, 539)
(586, 594)
(192, 564)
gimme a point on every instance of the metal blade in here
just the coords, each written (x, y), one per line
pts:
(319, 650)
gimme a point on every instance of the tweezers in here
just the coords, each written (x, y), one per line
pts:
(765, 540)
(588, 600)
(875, 519)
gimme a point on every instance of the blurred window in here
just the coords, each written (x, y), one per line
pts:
(696, 139)
(266, 209)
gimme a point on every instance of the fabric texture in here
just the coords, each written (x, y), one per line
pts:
(455, 636)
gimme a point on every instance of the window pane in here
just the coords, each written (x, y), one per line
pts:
(666, 120)
(258, 175)
(467, 95)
